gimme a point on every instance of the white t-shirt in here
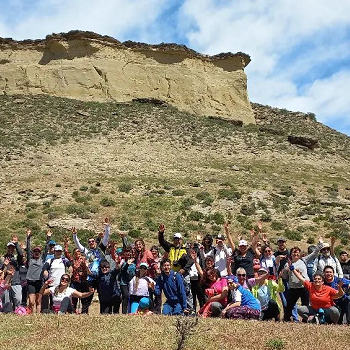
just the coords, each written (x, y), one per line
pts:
(57, 269)
(142, 289)
(57, 299)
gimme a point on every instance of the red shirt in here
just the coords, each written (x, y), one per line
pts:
(320, 299)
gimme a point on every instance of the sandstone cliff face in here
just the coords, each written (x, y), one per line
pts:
(86, 66)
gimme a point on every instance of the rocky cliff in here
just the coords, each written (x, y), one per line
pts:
(90, 67)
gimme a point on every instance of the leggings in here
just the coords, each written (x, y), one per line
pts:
(125, 298)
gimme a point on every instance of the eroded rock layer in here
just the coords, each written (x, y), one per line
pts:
(90, 67)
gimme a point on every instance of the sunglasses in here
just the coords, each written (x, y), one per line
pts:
(65, 279)
(104, 267)
(241, 274)
(267, 251)
(91, 241)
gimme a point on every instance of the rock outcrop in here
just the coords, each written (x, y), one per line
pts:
(90, 67)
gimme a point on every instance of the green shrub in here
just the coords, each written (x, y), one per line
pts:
(277, 226)
(215, 228)
(287, 191)
(83, 188)
(78, 210)
(218, 218)
(195, 184)
(178, 193)
(275, 344)
(230, 194)
(58, 185)
(31, 215)
(135, 233)
(125, 187)
(266, 217)
(107, 202)
(248, 209)
(205, 198)
(311, 240)
(311, 191)
(53, 215)
(293, 235)
(151, 225)
(195, 216)
(125, 224)
(94, 190)
(187, 203)
(83, 199)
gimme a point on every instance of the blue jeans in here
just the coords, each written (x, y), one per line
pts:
(172, 309)
(283, 297)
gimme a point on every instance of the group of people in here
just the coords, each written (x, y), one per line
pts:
(211, 279)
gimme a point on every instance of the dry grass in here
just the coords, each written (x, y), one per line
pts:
(159, 332)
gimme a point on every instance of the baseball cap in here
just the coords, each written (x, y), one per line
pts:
(9, 244)
(242, 242)
(144, 303)
(177, 235)
(36, 248)
(52, 242)
(262, 270)
(57, 247)
(281, 239)
(325, 245)
(220, 237)
(143, 264)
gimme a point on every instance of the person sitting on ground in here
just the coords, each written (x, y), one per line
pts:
(345, 264)
(343, 303)
(215, 288)
(321, 297)
(35, 263)
(139, 287)
(62, 294)
(248, 308)
(265, 290)
(172, 286)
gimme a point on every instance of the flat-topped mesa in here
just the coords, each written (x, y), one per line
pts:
(92, 67)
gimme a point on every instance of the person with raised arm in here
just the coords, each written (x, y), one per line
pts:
(296, 288)
(79, 274)
(180, 259)
(62, 294)
(343, 303)
(95, 254)
(321, 297)
(35, 263)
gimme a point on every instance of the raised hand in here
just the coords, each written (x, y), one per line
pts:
(48, 282)
(107, 222)
(226, 226)
(193, 255)
(122, 233)
(333, 239)
(264, 237)
(48, 233)
(161, 228)
(91, 290)
(74, 230)
(28, 232)
(259, 226)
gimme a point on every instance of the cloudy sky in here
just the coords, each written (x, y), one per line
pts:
(300, 50)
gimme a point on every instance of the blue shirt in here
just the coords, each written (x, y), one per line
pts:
(334, 284)
(248, 299)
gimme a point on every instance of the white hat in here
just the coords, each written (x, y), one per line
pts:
(58, 247)
(325, 245)
(177, 235)
(242, 242)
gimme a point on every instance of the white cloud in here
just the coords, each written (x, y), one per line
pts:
(290, 42)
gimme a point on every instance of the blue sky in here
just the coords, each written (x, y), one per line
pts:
(300, 50)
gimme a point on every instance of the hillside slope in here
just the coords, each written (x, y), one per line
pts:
(66, 162)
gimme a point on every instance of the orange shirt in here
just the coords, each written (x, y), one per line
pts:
(320, 299)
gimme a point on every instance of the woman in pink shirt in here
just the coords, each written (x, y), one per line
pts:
(216, 290)
(142, 254)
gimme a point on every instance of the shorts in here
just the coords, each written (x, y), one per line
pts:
(34, 287)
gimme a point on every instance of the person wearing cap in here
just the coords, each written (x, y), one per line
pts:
(95, 253)
(108, 287)
(343, 303)
(327, 259)
(244, 257)
(248, 308)
(139, 287)
(49, 248)
(35, 264)
(55, 267)
(180, 259)
(14, 295)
